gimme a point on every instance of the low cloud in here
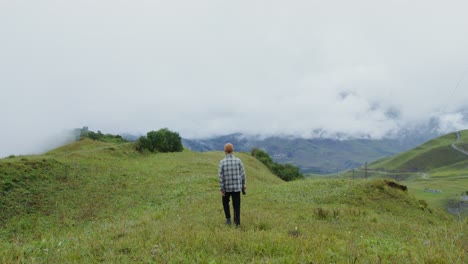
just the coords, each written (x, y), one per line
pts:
(204, 68)
(452, 122)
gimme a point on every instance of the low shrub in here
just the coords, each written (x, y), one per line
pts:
(287, 172)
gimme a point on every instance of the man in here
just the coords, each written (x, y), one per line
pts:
(231, 182)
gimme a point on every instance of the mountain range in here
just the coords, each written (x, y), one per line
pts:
(316, 155)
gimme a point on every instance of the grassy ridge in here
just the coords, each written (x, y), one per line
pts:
(26, 184)
(103, 202)
(431, 155)
(434, 165)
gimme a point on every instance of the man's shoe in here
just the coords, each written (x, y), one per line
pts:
(228, 221)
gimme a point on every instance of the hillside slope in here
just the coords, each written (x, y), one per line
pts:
(435, 171)
(432, 155)
(99, 202)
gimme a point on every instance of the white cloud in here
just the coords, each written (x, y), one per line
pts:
(451, 122)
(209, 67)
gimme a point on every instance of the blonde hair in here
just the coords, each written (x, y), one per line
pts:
(228, 148)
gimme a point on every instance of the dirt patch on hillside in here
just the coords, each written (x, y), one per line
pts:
(396, 185)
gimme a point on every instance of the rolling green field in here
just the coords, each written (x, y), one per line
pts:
(90, 202)
(434, 165)
(434, 154)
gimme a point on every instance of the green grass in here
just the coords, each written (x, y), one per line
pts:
(432, 154)
(104, 202)
(434, 165)
(450, 189)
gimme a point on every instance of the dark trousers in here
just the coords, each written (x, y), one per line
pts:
(236, 202)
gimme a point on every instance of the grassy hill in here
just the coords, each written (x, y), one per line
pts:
(434, 154)
(91, 202)
(434, 171)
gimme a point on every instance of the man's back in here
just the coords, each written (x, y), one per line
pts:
(231, 174)
(231, 182)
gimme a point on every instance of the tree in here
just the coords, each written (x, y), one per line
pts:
(162, 140)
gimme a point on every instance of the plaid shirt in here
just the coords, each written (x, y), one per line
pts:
(231, 174)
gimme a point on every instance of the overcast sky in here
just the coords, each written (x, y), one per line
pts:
(203, 68)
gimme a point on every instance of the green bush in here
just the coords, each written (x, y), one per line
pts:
(162, 140)
(99, 136)
(263, 157)
(143, 144)
(287, 172)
